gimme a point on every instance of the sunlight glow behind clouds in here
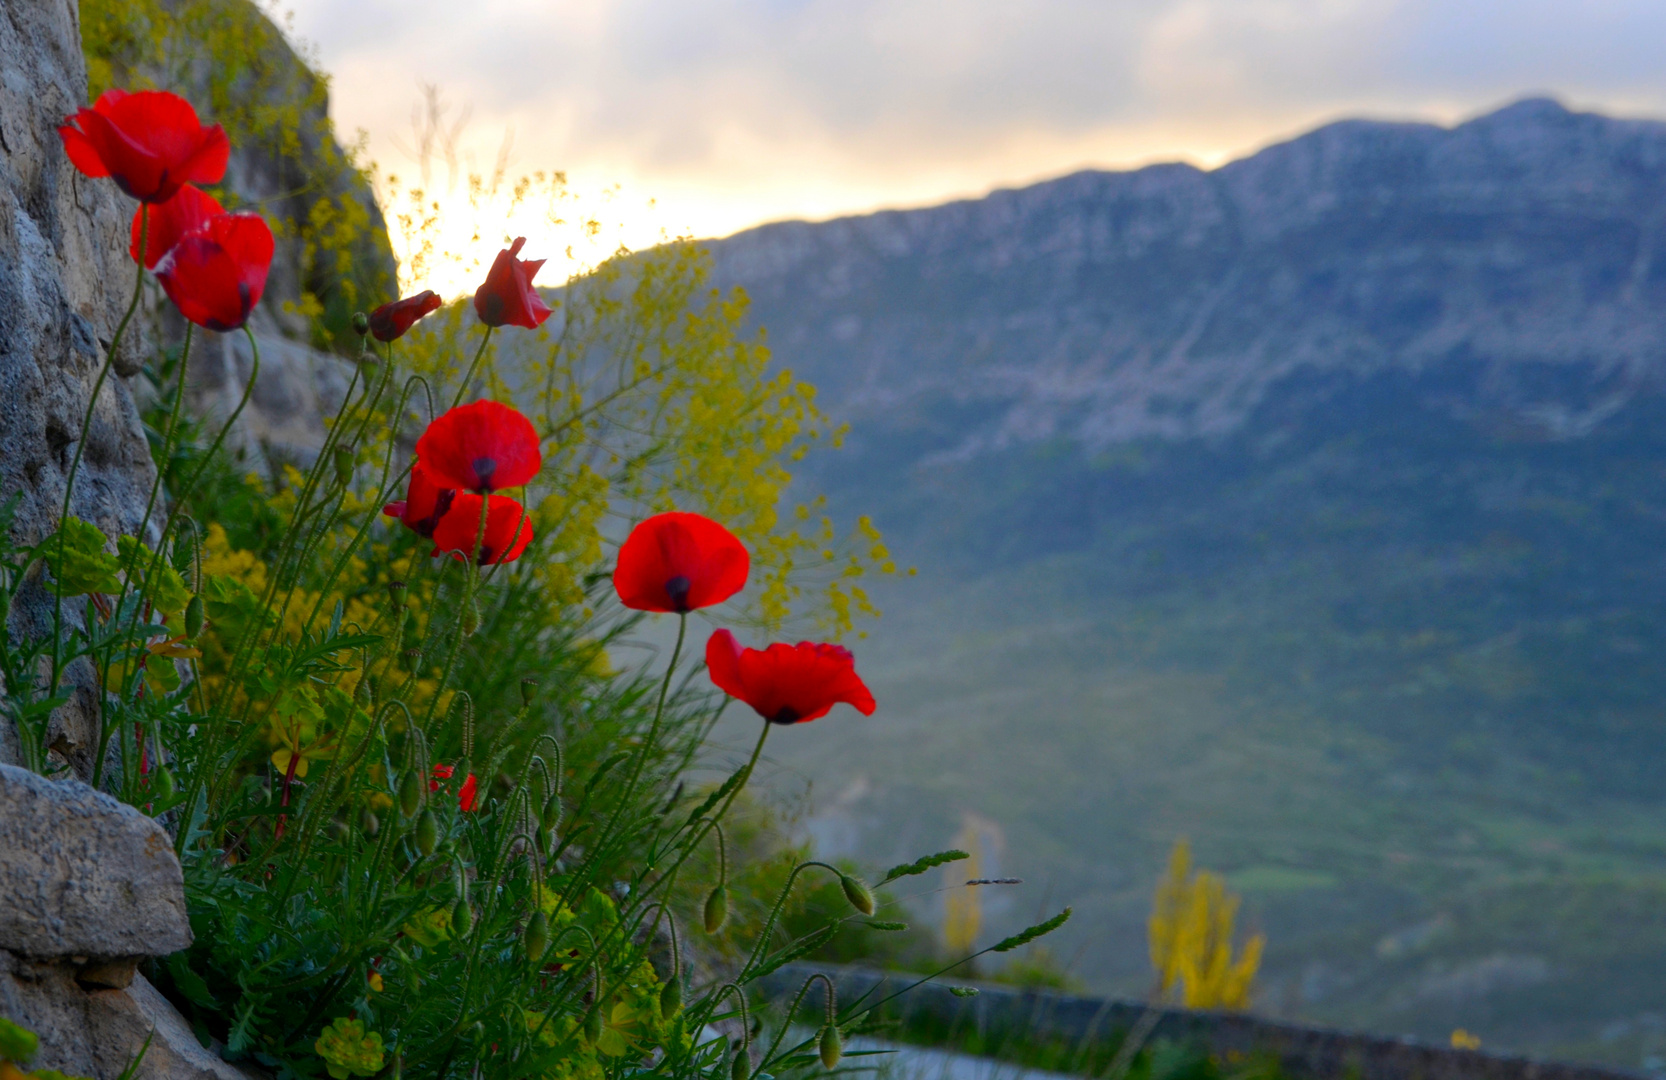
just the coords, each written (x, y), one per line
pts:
(734, 112)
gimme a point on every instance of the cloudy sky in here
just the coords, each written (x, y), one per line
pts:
(728, 113)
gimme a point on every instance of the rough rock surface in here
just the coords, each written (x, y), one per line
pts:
(64, 280)
(84, 875)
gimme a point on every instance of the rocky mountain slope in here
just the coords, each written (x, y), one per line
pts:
(1312, 507)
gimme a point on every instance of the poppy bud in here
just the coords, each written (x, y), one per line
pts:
(410, 792)
(164, 784)
(462, 918)
(396, 595)
(593, 1024)
(427, 832)
(471, 617)
(537, 936)
(361, 323)
(857, 893)
(670, 997)
(717, 909)
(364, 693)
(741, 1067)
(551, 819)
(344, 464)
(529, 690)
(831, 1049)
(337, 829)
(193, 617)
(369, 823)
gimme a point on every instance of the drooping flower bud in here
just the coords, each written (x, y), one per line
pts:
(551, 817)
(344, 462)
(857, 893)
(462, 918)
(593, 1024)
(717, 909)
(410, 792)
(427, 832)
(537, 936)
(164, 783)
(741, 1067)
(369, 823)
(831, 1049)
(670, 997)
(193, 618)
(471, 617)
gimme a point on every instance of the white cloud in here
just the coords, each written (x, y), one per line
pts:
(731, 112)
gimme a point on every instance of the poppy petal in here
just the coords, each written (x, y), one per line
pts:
(483, 446)
(679, 562)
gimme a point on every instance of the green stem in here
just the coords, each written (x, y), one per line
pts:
(463, 387)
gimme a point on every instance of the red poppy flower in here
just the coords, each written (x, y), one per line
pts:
(188, 211)
(468, 796)
(507, 297)
(149, 143)
(390, 321)
(679, 562)
(424, 504)
(508, 529)
(480, 447)
(787, 684)
(441, 772)
(216, 274)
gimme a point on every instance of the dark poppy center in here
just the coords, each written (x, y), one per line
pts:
(484, 467)
(786, 714)
(677, 589)
(491, 309)
(424, 527)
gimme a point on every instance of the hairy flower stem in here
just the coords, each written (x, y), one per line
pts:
(75, 463)
(468, 376)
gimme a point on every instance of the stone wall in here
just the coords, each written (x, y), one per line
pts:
(1305, 1053)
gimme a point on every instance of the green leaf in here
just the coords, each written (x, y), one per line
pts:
(75, 554)
(1024, 937)
(232, 607)
(189, 983)
(165, 588)
(920, 866)
(887, 927)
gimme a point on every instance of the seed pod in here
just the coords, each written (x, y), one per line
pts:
(396, 595)
(462, 918)
(361, 323)
(670, 997)
(193, 617)
(831, 1049)
(593, 1024)
(164, 784)
(529, 691)
(857, 893)
(471, 617)
(717, 909)
(369, 823)
(410, 793)
(741, 1067)
(413, 660)
(551, 817)
(427, 832)
(344, 462)
(537, 936)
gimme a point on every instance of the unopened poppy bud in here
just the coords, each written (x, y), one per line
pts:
(462, 918)
(593, 1024)
(427, 832)
(537, 936)
(741, 1067)
(337, 829)
(529, 690)
(364, 693)
(361, 323)
(831, 1049)
(193, 617)
(344, 462)
(551, 818)
(857, 893)
(717, 909)
(670, 997)
(410, 792)
(164, 784)
(396, 595)
(471, 616)
(369, 823)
